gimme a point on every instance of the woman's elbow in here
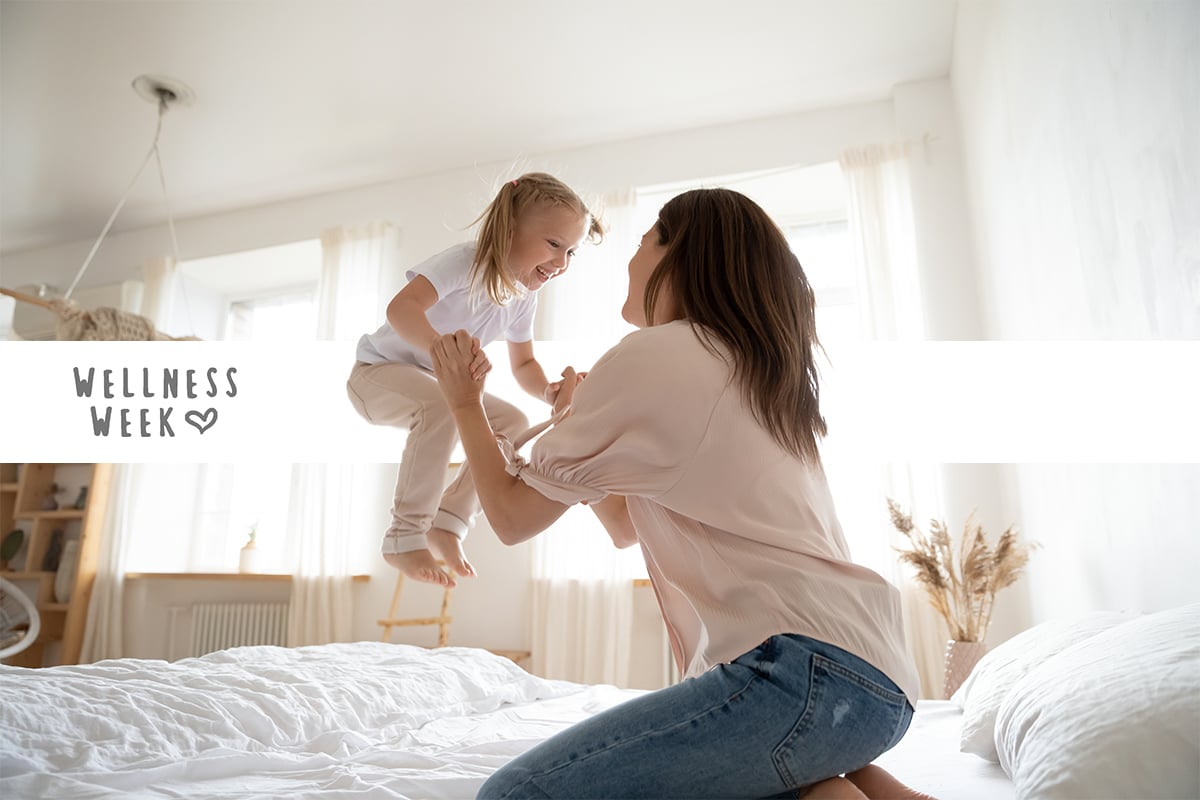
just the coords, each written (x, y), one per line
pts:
(506, 537)
(508, 531)
(625, 540)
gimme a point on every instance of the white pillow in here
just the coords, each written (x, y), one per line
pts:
(984, 689)
(1114, 716)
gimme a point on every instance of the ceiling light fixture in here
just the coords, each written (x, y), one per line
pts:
(165, 93)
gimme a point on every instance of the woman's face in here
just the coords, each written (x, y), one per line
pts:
(544, 242)
(641, 267)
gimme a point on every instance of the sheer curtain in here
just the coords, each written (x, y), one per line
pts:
(582, 585)
(104, 632)
(881, 227)
(326, 499)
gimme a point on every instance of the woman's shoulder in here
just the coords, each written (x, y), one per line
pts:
(672, 338)
(667, 350)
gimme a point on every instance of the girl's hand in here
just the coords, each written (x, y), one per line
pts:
(456, 362)
(559, 394)
(480, 366)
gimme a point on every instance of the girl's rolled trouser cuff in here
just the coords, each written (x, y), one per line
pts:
(393, 544)
(449, 522)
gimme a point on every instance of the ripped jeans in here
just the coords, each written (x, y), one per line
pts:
(790, 713)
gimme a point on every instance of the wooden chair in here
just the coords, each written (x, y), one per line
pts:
(443, 620)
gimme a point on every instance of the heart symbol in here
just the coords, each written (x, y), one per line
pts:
(201, 422)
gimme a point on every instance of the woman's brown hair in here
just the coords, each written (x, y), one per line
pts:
(499, 219)
(732, 275)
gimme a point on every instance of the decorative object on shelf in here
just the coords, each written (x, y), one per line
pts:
(54, 551)
(50, 503)
(248, 558)
(81, 501)
(961, 587)
(68, 565)
(11, 545)
(20, 622)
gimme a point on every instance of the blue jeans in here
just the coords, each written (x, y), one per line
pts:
(788, 714)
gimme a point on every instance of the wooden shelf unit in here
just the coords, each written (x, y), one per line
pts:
(23, 488)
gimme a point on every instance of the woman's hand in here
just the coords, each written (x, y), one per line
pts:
(460, 366)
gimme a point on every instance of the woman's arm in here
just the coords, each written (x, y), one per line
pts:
(515, 511)
(613, 514)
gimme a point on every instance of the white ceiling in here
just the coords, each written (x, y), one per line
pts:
(296, 97)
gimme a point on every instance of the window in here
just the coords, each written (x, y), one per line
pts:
(276, 317)
(809, 204)
(824, 252)
(254, 295)
(197, 517)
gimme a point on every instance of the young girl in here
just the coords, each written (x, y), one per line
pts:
(527, 236)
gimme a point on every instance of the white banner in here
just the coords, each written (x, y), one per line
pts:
(931, 401)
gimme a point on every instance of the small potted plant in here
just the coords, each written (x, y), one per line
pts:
(961, 585)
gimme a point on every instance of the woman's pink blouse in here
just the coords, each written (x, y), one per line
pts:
(740, 538)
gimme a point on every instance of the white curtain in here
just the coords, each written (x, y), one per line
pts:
(323, 501)
(326, 506)
(881, 228)
(582, 585)
(104, 631)
(582, 602)
(353, 263)
(160, 278)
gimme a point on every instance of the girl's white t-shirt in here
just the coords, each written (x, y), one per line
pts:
(450, 273)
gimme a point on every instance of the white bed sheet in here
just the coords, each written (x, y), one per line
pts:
(366, 720)
(362, 720)
(928, 758)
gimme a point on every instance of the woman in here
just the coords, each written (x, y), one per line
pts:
(696, 437)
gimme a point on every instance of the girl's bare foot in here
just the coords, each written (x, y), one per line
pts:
(834, 789)
(448, 547)
(879, 784)
(420, 565)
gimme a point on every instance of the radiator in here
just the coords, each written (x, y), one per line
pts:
(216, 626)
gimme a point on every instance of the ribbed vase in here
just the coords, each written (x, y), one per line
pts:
(961, 658)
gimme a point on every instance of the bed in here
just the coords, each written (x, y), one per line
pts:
(376, 720)
(364, 719)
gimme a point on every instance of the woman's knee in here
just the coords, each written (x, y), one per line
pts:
(510, 782)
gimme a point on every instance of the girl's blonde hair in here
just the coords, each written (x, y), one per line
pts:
(499, 219)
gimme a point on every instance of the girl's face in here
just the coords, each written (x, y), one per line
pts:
(641, 267)
(544, 242)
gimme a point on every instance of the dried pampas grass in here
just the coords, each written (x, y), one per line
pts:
(962, 587)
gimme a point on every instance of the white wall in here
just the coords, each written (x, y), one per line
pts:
(1079, 124)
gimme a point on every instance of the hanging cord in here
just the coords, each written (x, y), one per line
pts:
(162, 181)
(162, 109)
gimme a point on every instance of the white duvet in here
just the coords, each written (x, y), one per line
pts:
(366, 720)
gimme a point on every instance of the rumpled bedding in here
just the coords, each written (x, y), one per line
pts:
(363, 719)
